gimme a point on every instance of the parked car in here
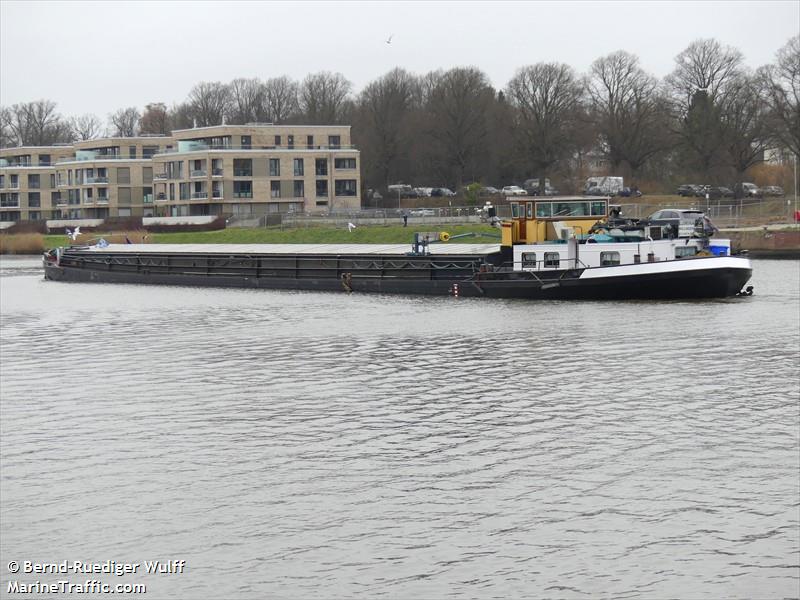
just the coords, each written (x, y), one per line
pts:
(678, 218)
(627, 192)
(595, 191)
(488, 191)
(751, 190)
(687, 189)
(513, 190)
(718, 192)
(446, 192)
(423, 212)
(773, 190)
(403, 190)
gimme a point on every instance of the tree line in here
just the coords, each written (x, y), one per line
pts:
(710, 120)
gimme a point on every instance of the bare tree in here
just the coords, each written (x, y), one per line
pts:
(281, 99)
(382, 128)
(155, 119)
(547, 99)
(38, 124)
(85, 127)
(322, 98)
(248, 101)
(7, 137)
(457, 106)
(124, 122)
(781, 82)
(209, 102)
(627, 110)
(704, 73)
(180, 116)
(745, 120)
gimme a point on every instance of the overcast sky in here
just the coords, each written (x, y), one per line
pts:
(100, 56)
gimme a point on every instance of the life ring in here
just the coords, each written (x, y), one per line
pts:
(444, 236)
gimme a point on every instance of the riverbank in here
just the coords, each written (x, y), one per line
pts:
(778, 241)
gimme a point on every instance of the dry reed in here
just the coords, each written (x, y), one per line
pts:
(21, 243)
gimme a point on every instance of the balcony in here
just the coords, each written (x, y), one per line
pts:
(242, 172)
(161, 197)
(161, 176)
(199, 195)
(217, 172)
(147, 199)
(217, 194)
(9, 204)
(199, 173)
(242, 194)
(102, 200)
(91, 180)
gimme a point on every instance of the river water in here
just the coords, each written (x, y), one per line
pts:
(318, 445)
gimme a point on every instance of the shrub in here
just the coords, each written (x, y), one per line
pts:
(21, 243)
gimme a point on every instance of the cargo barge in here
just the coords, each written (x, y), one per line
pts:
(550, 249)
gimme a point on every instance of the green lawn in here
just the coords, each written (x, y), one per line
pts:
(363, 234)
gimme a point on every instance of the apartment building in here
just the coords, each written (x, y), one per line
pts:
(108, 177)
(27, 181)
(257, 169)
(241, 170)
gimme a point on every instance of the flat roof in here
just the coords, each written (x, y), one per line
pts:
(332, 249)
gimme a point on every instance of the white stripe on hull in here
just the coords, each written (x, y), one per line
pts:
(671, 266)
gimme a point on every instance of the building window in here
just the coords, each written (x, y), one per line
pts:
(33, 182)
(172, 191)
(345, 187)
(322, 188)
(52, 180)
(274, 189)
(310, 142)
(609, 259)
(344, 163)
(3, 181)
(246, 142)
(34, 200)
(552, 260)
(274, 167)
(147, 174)
(321, 167)
(124, 195)
(298, 167)
(242, 167)
(529, 260)
(14, 181)
(184, 191)
(335, 142)
(290, 141)
(242, 189)
(147, 195)
(55, 198)
(299, 189)
(149, 151)
(34, 215)
(132, 151)
(123, 175)
(277, 141)
(44, 160)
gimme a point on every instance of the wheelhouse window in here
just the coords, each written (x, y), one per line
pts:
(580, 208)
(529, 260)
(552, 260)
(684, 251)
(515, 210)
(609, 259)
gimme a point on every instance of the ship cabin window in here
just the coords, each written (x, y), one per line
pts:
(684, 251)
(579, 208)
(552, 260)
(529, 209)
(515, 210)
(609, 259)
(529, 260)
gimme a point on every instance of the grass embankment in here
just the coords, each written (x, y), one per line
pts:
(22, 243)
(363, 234)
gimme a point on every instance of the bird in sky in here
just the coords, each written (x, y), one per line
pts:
(389, 41)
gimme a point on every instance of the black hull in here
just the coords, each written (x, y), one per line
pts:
(713, 282)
